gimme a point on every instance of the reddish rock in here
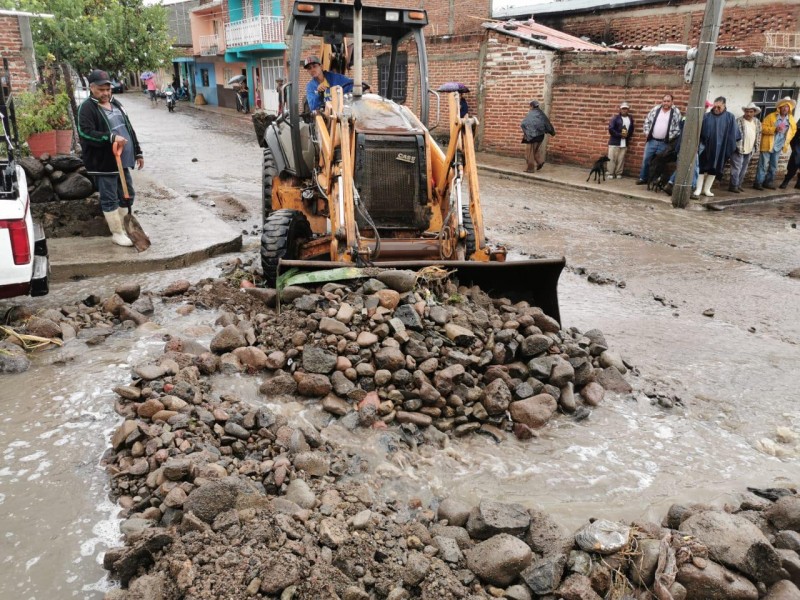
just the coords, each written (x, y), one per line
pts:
(534, 412)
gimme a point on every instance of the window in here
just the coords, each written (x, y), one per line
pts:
(204, 77)
(767, 98)
(227, 75)
(400, 76)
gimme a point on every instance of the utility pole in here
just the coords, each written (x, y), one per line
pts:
(697, 98)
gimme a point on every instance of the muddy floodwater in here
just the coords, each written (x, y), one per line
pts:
(641, 272)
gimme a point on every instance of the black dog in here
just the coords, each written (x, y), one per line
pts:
(658, 172)
(598, 169)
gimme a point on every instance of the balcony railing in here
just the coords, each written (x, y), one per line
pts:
(209, 45)
(780, 42)
(256, 30)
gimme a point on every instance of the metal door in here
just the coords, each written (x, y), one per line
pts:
(271, 72)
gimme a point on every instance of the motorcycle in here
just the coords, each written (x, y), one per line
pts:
(170, 95)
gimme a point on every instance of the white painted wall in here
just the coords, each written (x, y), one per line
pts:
(738, 85)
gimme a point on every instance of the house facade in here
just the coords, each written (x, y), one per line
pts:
(757, 59)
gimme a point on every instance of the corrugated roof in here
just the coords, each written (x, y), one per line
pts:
(546, 37)
(547, 8)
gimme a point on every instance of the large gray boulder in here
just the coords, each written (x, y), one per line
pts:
(74, 187)
(785, 513)
(736, 543)
(715, 582)
(499, 560)
(491, 518)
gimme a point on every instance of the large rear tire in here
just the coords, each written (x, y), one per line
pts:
(268, 173)
(470, 245)
(285, 232)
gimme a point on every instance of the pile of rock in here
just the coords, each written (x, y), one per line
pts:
(90, 321)
(60, 191)
(223, 500)
(384, 351)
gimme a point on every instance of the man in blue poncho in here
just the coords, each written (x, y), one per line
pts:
(718, 137)
(318, 90)
(534, 127)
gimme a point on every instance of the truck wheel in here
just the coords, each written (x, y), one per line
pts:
(268, 173)
(285, 232)
(471, 246)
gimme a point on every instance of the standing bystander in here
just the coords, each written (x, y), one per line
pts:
(749, 139)
(718, 137)
(794, 163)
(102, 123)
(777, 131)
(661, 126)
(620, 131)
(534, 127)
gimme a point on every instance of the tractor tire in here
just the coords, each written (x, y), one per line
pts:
(470, 245)
(285, 231)
(268, 172)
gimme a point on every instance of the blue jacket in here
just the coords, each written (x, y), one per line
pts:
(315, 101)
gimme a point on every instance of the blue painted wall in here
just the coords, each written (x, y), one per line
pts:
(209, 91)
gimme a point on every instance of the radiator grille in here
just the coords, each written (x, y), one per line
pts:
(390, 178)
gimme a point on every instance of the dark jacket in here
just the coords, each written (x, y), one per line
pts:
(535, 124)
(96, 137)
(615, 130)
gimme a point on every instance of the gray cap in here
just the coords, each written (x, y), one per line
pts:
(534, 104)
(310, 60)
(624, 105)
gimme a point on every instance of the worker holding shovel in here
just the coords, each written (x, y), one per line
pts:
(110, 150)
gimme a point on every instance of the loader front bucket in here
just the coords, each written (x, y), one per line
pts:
(534, 280)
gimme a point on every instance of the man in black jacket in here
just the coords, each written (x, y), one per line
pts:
(102, 123)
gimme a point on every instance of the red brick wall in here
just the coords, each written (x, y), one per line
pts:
(514, 74)
(580, 97)
(11, 48)
(587, 90)
(743, 24)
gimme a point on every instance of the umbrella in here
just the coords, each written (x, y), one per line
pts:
(453, 86)
(147, 75)
(236, 79)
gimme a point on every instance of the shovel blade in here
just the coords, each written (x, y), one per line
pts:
(135, 232)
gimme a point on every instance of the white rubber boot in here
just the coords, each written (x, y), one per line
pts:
(700, 179)
(117, 231)
(122, 212)
(707, 186)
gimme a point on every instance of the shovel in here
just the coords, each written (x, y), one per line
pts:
(132, 227)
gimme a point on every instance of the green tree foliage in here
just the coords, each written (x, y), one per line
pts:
(115, 35)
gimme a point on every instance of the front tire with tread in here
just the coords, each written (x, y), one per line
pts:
(469, 242)
(285, 232)
(269, 171)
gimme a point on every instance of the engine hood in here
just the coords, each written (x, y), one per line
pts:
(376, 114)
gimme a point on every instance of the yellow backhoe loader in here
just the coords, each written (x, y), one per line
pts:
(360, 180)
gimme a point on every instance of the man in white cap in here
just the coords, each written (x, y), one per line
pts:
(318, 90)
(749, 140)
(620, 130)
(777, 131)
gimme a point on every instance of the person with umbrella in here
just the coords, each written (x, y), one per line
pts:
(534, 127)
(152, 88)
(102, 123)
(456, 86)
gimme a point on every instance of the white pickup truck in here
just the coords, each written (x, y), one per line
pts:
(24, 267)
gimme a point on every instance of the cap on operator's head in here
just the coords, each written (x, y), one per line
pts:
(311, 60)
(98, 77)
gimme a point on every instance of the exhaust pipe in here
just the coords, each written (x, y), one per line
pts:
(357, 54)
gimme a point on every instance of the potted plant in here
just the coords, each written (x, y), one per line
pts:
(40, 116)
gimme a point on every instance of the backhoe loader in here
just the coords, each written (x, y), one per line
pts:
(362, 182)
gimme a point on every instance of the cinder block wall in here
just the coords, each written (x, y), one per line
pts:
(743, 23)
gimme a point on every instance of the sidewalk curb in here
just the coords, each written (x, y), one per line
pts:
(577, 186)
(746, 201)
